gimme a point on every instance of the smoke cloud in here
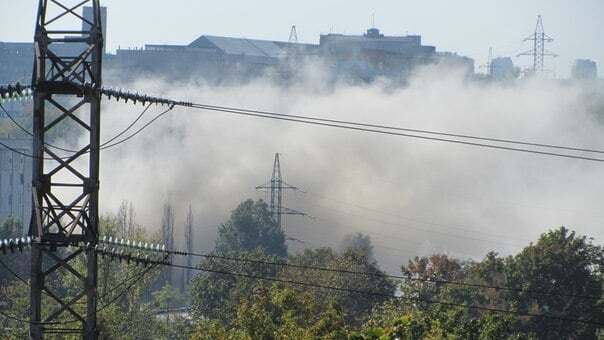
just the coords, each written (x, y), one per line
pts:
(413, 197)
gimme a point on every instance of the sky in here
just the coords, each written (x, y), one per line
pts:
(468, 27)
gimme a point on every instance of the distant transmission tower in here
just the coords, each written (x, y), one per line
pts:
(538, 52)
(276, 187)
(293, 35)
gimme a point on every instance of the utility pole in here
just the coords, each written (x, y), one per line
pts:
(276, 186)
(538, 52)
(65, 185)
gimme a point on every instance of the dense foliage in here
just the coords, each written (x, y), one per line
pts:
(560, 275)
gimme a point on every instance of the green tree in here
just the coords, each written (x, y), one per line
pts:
(216, 295)
(250, 233)
(359, 243)
(174, 325)
(441, 323)
(251, 227)
(125, 306)
(356, 307)
(278, 312)
(559, 263)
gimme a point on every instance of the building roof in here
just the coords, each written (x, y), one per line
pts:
(239, 46)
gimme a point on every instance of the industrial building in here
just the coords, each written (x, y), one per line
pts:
(88, 15)
(373, 54)
(584, 69)
(219, 59)
(354, 56)
(15, 181)
(502, 68)
(14, 66)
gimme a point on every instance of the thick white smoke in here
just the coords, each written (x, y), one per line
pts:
(413, 197)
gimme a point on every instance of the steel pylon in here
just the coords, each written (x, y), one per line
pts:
(64, 224)
(276, 186)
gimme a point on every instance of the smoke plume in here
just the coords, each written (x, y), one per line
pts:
(413, 197)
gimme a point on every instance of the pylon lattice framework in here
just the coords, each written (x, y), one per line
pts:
(276, 186)
(65, 188)
(538, 52)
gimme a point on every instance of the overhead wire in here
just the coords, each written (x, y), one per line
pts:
(413, 219)
(128, 127)
(103, 146)
(128, 287)
(31, 134)
(375, 274)
(386, 132)
(372, 293)
(136, 279)
(430, 231)
(397, 128)
(12, 272)
(138, 131)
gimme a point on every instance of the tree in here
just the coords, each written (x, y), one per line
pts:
(167, 238)
(356, 307)
(277, 312)
(559, 263)
(126, 218)
(175, 326)
(358, 242)
(216, 295)
(190, 242)
(251, 227)
(437, 267)
(441, 323)
(250, 233)
(125, 309)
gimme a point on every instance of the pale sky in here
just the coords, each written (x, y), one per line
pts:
(467, 27)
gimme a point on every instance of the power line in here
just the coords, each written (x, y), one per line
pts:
(363, 292)
(31, 134)
(372, 128)
(125, 290)
(245, 113)
(12, 272)
(138, 277)
(366, 127)
(411, 219)
(105, 145)
(139, 130)
(396, 128)
(375, 274)
(432, 231)
(129, 126)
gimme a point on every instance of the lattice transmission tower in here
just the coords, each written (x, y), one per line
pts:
(538, 52)
(293, 35)
(276, 187)
(66, 79)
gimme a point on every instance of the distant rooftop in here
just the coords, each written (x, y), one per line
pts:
(239, 46)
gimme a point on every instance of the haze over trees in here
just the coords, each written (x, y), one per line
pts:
(252, 287)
